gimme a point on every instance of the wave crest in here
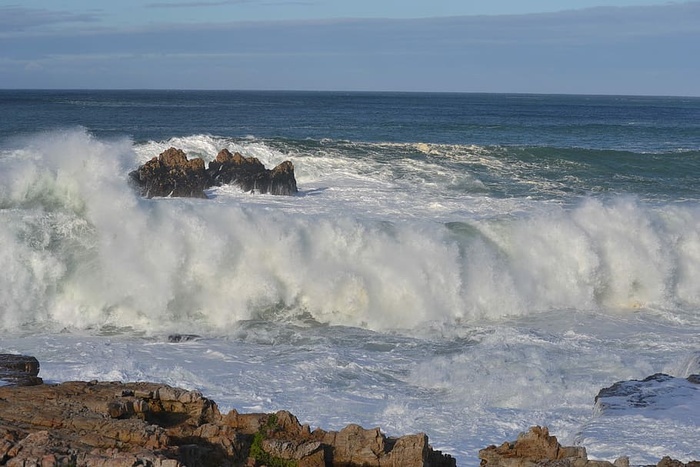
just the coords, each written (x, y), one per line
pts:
(80, 249)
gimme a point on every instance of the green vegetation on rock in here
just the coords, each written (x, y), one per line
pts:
(259, 454)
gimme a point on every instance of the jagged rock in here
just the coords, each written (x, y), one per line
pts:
(172, 174)
(537, 448)
(125, 424)
(19, 370)
(668, 462)
(251, 175)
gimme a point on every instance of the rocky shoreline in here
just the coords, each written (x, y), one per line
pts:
(147, 424)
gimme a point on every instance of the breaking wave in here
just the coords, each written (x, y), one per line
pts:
(81, 250)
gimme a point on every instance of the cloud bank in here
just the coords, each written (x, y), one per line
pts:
(632, 50)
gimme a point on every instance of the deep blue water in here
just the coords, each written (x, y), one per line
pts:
(639, 124)
(645, 146)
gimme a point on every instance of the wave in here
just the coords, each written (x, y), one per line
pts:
(535, 172)
(81, 250)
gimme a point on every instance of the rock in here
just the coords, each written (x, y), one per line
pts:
(537, 448)
(250, 174)
(19, 370)
(657, 392)
(174, 338)
(668, 462)
(125, 424)
(172, 174)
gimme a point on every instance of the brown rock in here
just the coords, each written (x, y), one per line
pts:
(282, 180)
(115, 424)
(354, 445)
(668, 462)
(537, 448)
(171, 174)
(251, 175)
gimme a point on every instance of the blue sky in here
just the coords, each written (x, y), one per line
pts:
(540, 46)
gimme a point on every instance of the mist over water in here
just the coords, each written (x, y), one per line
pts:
(464, 266)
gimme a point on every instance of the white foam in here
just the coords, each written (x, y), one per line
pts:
(473, 387)
(355, 248)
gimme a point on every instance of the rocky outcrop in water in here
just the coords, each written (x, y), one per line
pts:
(251, 175)
(658, 391)
(173, 174)
(128, 424)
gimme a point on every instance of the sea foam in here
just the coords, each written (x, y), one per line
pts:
(82, 250)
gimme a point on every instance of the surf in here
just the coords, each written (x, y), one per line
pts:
(82, 250)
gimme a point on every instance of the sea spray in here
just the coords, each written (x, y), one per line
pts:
(460, 265)
(85, 251)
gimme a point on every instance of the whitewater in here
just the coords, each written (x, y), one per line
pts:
(457, 288)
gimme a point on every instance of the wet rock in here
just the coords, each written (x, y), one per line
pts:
(19, 370)
(250, 174)
(658, 392)
(174, 338)
(173, 174)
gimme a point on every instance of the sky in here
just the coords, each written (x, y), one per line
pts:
(641, 47)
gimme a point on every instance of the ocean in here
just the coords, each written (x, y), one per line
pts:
(463, 265)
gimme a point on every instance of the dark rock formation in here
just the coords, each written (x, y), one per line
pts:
(251, 175)
(19, 370)
(172, 174)
(657, 391)
(115, 424)
(183, 337)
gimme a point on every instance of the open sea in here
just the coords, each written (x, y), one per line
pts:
(464, 265)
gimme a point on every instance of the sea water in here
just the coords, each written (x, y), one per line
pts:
(462, 265)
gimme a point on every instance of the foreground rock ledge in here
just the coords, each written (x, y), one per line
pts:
(128, 424)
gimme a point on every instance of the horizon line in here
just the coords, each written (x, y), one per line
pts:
(345, 91)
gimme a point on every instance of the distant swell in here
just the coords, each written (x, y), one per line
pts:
(80, 249)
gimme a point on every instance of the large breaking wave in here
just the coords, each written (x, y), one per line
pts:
(362, 245)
